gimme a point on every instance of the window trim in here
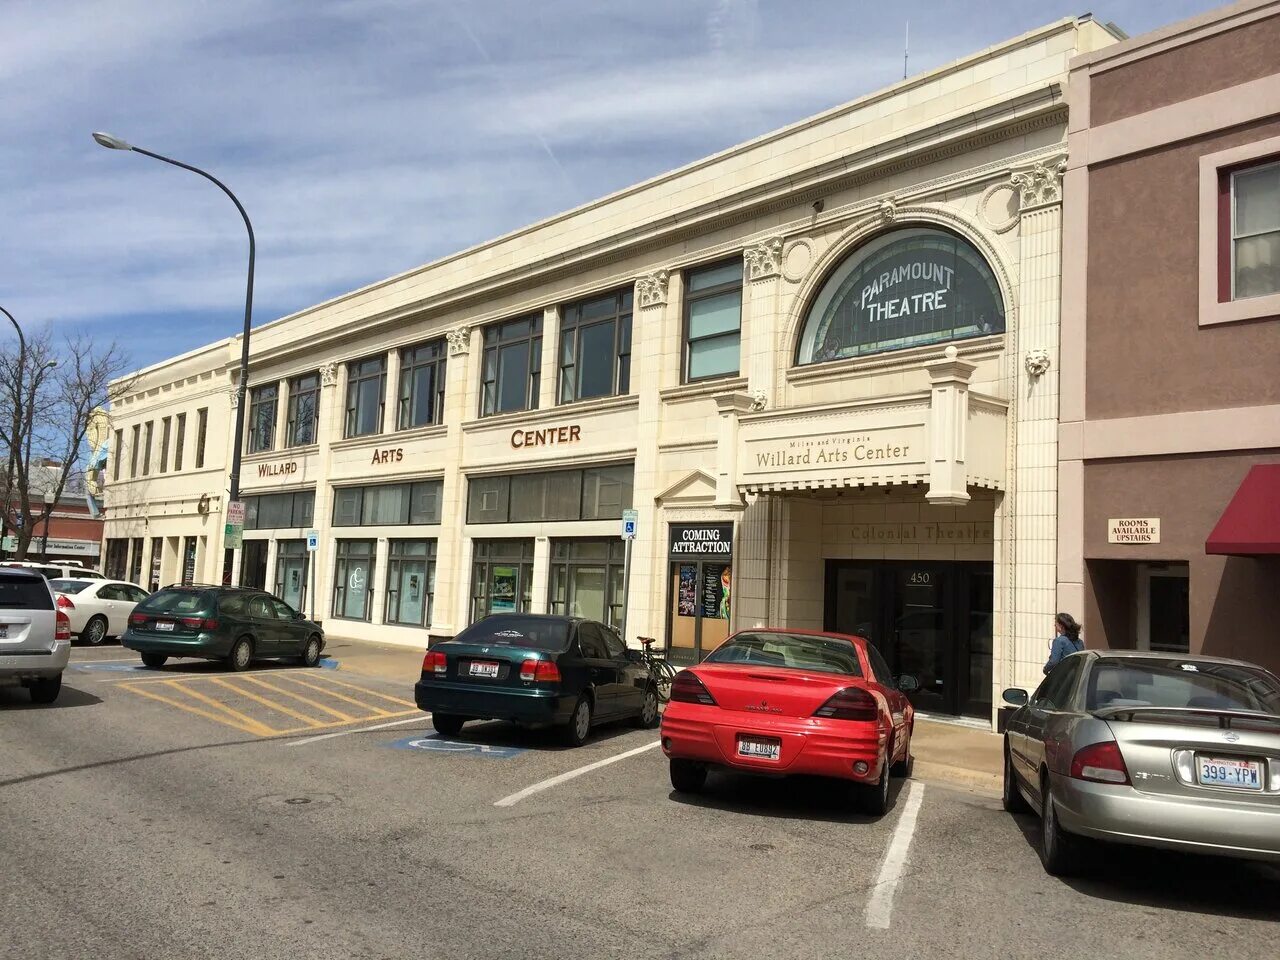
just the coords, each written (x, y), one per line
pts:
(686, 309)
(408, 367)
(1214, 169)
(534, 385)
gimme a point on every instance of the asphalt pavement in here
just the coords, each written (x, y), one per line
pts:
(193, 813)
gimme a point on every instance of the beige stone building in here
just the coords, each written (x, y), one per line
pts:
(819, 365)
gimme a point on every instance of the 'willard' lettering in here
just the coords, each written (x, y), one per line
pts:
(277, 469)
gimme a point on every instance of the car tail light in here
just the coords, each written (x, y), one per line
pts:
(851, 703)
(435, 662)
(63, 629)
(64, 602)
(688, 688)
(1101, 763)
(539, 671)
(199, 623)
(137, 619)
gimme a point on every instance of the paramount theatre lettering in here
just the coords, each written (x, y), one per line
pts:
(892, 305)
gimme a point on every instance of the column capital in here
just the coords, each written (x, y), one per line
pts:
(1041, 184)
(459, 341)
(950, 369)
(764, 260)
(329, 374)
(651, 289)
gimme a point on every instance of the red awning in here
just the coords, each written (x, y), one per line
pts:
(1250, 526)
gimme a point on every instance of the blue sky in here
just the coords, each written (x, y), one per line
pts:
(367, 137)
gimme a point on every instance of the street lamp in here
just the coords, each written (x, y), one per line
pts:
(48, 515)
(115, 143)
(17, 423)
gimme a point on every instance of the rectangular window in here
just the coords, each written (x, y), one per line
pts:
(391, 504)
(202, 428)
(713, 321)
(353, 579)
(134, 449)
(262, 417)
(1255, 231)
(165, 426)
(422, 370)
(178, 441)
(587, 579)
(596, 493)
(510, 372)
(366, 388)
(595, 347)
(147, 431)
(501, 577)
(411, 581)
(273, 511)
(117, 454)
(304, 406)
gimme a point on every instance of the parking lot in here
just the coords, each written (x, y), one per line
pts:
(190, 812)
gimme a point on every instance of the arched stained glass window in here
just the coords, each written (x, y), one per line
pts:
(905, 288)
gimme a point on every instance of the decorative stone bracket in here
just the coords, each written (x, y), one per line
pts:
(329, 374)
(948, 423)
(459, 341)
(651, 289)
(764, 260)
(1037, 363)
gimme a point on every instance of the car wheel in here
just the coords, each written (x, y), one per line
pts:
(1014, 801)
(154, 660)
(688, 776)
(904, 767)
(311, 653)
(446, 724)
(873, 798)
(45, 689)
(647, 718)
(94, 632)
(575, 734)
(1059, 850)
(241, 655)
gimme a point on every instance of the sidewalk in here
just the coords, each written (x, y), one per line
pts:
(955, 754)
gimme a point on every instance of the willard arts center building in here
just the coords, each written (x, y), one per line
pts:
(820, 365)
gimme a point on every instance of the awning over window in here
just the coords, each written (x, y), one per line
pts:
(1250, 526)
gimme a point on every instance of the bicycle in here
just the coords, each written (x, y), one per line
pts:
(660, 670)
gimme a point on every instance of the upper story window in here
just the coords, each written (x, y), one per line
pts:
(304, 410)
(595, 347)
(117, 454)
(178, 441)
(594, 493)
(166, 425)
(421, 385)
(202, 431)
(366, 388)
(389, 504)
(713, 321)
(1254, 255)
(905, 288)
(276, 510)
(512, 365)
(134, 448)
(263, 401)
(147, 431)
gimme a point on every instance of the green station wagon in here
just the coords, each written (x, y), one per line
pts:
(235, 624)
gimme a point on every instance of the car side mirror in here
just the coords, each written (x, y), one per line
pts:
(908, 683)
(297, 615)
(1015, 697)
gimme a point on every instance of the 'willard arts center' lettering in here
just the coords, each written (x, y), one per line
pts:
(824, 456)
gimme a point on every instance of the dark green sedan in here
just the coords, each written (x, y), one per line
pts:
(234, 624)
(537, 671)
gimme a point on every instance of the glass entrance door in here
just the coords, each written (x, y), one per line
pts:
(253, 565)
(922, 633)
(291, 573)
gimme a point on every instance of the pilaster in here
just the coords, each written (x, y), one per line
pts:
(449, 610)
(761, 320)
(948, 426)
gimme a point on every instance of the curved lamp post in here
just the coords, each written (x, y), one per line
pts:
(115, 143)
(17, 423)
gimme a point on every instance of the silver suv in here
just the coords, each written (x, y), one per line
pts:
(35, 636)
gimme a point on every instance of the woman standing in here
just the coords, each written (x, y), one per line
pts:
(1066, 640)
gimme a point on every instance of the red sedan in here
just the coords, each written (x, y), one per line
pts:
(780, 702)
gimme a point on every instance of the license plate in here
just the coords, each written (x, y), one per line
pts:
(483, 668)
(1220, 772)
(164, 625)
(764, 749)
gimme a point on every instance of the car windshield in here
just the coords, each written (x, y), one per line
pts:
(791, 650)
(1190, 683)
(539, 633)
(24, 593)
(67, 586)
(177, 601)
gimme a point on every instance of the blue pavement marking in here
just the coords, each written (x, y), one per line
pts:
(110, 667)
(436, 744)
(329, 663)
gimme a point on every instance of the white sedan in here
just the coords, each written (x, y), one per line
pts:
(97, 608)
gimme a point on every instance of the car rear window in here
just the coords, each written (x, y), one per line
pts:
(24, 593)
(537, 633)
(789, 650)
(67, 586)
(1189, 683)
(177, 601)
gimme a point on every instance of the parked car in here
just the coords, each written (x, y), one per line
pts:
(791, 702)
(235, 624)
(1155, 749)
(35, 637)
(97, 608)
(54, 569)
(536, 670)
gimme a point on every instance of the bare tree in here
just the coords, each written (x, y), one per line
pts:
(47, 399)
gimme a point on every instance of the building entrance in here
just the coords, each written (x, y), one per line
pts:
(932, 620)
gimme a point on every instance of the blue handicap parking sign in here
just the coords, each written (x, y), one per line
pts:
(433, 743)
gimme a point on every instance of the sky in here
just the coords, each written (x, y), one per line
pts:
(368, 137)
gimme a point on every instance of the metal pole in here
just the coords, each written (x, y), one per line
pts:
(44, 546)
(626, 589)
(17, 425)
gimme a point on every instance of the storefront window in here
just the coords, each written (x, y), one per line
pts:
(353, 579)
(411, 582)
(595, 347)
(511, 365)
(388, 504)
(262, 417)
(501, 577)
(587, 579)
(905, 288)
(273, 511)
(597, 493)
(366, 387)
(117, 559)
(421, 385)
(135, 561)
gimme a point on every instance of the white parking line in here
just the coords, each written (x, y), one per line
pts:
(880, 906)
(347, 733)
(557, 780)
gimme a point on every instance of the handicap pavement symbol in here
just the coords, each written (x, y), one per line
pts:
(110, 666)
(436, 744)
